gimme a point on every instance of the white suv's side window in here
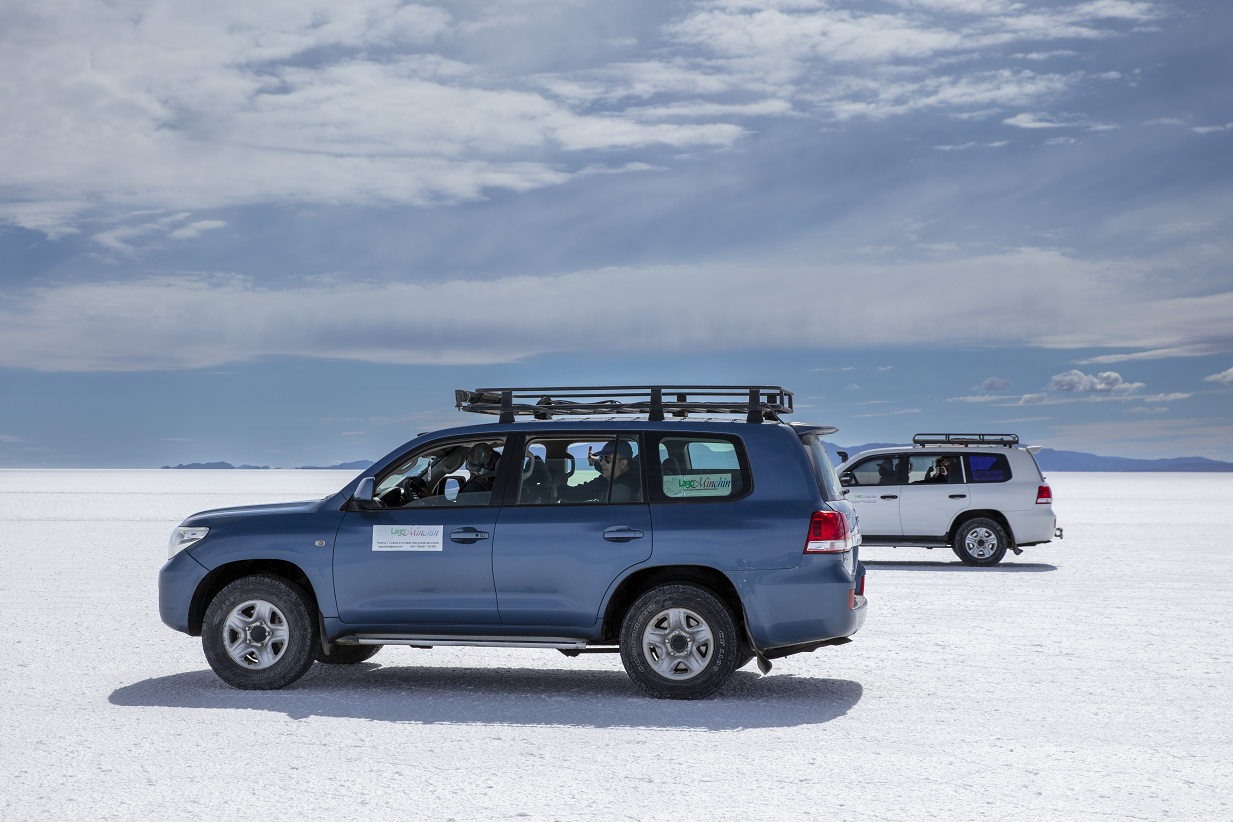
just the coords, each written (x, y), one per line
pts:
(988, 467)
(877, 471)
(934, 468)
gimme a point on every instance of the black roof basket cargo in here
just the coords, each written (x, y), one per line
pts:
(966, 439)
(756, 402)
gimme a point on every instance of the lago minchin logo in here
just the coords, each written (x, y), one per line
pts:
(699, 485)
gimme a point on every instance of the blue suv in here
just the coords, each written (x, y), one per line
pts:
(690, 546)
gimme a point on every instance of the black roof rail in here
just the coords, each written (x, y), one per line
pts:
(756, 402)
(966, 439)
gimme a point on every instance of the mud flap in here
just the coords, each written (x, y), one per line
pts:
(764, 664)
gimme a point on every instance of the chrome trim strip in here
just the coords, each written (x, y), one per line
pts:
(430, 640)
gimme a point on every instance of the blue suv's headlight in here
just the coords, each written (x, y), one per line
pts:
(181, 538)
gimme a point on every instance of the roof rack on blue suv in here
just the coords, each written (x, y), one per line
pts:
(757, 402)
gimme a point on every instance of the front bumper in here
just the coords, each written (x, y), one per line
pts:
(177, 582)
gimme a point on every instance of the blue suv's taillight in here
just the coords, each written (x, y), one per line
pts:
(828, 534)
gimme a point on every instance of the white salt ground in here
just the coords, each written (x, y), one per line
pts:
(1088, 679)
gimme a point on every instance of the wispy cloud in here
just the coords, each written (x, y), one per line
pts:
(361, 103)
(1104, 382)
(891, 413)
(1224, 378)
(973, 144)
(194, 321)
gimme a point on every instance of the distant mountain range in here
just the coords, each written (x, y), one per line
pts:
(357, 465)
(198, 465)
(1050, 460)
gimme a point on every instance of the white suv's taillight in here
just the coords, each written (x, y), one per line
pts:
(828, 534)
(1044, 495)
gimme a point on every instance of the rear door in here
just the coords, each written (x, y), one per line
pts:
(990, 474)
(874, 492)
(574, 520)
(933, 495)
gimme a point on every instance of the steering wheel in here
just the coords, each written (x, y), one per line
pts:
(413, 488)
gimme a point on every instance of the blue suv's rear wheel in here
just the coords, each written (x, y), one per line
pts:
(259, 634)
(679, 641)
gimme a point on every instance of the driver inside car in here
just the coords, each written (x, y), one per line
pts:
(481, 464)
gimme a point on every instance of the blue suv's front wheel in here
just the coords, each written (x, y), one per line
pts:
(679, 641)
(259, 634)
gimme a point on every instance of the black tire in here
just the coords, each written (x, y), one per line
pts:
(347, 654)
(696, 668)
(981, 542)
(246, 621)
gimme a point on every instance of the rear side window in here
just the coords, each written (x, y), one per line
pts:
(699, 468)
(988, 467)
(828, 480)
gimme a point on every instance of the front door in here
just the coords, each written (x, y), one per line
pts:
(933, 495)
(579, 518)
(874, 493)
(423, 554)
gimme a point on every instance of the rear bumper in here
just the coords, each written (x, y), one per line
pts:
(801, 606)
(177, 582)
(1033, 525)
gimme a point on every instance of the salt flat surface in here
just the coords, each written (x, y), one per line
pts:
(1088, 679)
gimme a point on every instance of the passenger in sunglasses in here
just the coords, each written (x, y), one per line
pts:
(618, 470)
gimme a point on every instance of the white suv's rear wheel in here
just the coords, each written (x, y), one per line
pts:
(980, 542)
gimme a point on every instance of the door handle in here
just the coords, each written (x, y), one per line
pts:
(467, 535)
(958, 496)
(890, 496)
(621, 533)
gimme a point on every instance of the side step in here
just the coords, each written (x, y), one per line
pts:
(431, 640)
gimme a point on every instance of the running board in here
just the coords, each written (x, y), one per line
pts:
(430, 640)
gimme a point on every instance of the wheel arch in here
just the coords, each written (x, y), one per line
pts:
(642, 580)
(228, 573)
(980, 513)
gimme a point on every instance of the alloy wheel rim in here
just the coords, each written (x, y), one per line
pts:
(678, 643)
(981, 543)
(255, 634)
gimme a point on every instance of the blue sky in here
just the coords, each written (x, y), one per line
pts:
(283, 234)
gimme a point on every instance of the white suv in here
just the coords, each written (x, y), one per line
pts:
(978, 493)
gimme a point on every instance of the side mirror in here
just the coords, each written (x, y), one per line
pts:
(451, 487)
(363, 493)
(843, 455)
(846, 479)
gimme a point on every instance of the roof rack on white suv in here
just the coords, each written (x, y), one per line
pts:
(757, 402)
(1006, 440)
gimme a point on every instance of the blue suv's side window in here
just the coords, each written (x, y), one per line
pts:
(702, 468)
(585, 469)
(458, 473)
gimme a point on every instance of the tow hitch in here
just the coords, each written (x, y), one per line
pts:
(1057, 532)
